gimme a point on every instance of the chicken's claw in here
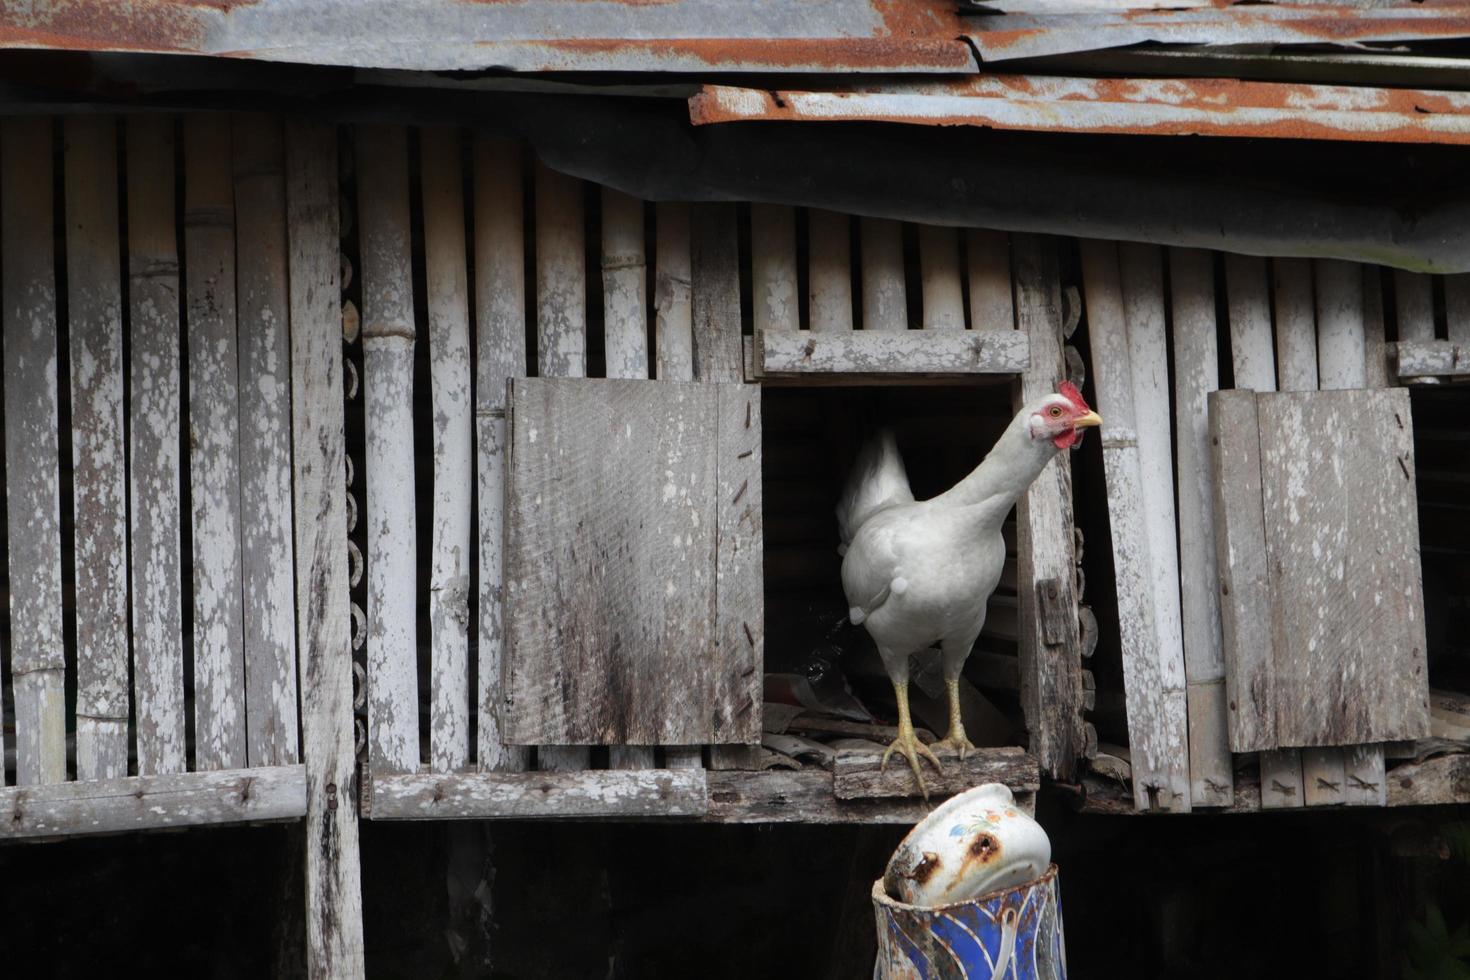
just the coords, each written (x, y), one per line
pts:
(909, 745)
(955, 742)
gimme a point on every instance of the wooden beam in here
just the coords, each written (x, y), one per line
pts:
(1445, 779)
(806, 797)
(640, 794)
(911, 352)
(1432, 358)
(856, 774)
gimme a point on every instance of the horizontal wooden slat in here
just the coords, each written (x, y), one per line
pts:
(637, 793)
(856, 775)
(1418, 358)
(800, 797)
(143, 802)
(892, 352)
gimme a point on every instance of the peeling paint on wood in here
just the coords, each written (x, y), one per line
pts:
(911, 352)
(541, 795)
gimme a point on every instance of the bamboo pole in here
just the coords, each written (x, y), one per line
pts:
(673, 303)
(885, 306)
(989, 257)
(939, 276)
(829, 270)
(773, 268)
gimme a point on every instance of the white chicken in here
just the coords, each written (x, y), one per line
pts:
(919, 573)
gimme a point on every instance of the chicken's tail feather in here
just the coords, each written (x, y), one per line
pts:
(877, 481)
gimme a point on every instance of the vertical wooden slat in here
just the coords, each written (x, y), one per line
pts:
(388, 338)
(214, 444)
(939, 278)
(1141, 268)
(829, 270)
(885, 303)
(1414, 304)
(1254, 365)
(1051, 672)
(1342, 359)
(265, 440)
(989, 258)
(94, 309)
(1154, 683)
(333, 918)
(32, 456)
(673, 300)
(773, 268)
(500, 338)
(1457, 307)
(561, 329)
(449, 373)
(157, 562)
(1196, 374)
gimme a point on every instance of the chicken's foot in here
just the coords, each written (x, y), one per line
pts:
(908, 741)
(955, 740)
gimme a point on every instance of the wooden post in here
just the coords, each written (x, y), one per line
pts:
(773, 268)
(333, 878)
(32, 456)
(1457, 307)
(829, 270)
(1153, 678)
(449, 372)
(500, 338)
(214, 444)
(1196, 374)
(561, 330)
(94, 308)
(158, 619)
(885, 303)
(265, 440)
(1051, 671)
(939, 277)
(388, 338)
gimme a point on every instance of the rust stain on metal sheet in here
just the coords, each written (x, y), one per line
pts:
(834, 53)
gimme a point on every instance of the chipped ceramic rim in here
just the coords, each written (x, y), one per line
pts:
(882, 897)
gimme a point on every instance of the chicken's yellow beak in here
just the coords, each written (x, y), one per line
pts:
(1088, 420)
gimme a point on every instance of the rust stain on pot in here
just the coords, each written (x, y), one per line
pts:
(925, 869)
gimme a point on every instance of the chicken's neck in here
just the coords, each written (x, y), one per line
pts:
(1012, 465)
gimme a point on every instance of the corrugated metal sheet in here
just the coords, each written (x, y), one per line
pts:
(520, 35)
(1212, 107)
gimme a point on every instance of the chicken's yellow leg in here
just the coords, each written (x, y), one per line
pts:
(956, 739)
(907, 742)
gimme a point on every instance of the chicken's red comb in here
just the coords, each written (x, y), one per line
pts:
(1069, 391)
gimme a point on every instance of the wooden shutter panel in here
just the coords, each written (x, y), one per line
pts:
(633, 569)
(1318, 550)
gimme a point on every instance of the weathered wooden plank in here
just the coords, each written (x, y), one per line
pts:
(214, 444)
(32, 456)
(153, 450)
(609, 626)
(99, 492)
(939, 278)
(989, 255)
(447, 286)
(1196, 374)
(879, 352)
(263, 309)
(1296, 336)
(388, 338)
(715, 266)
(540, 795)
(806, 797)
(125, 804)
(739, 571)
(885, 297)
(856, 774)
(1341, 533)
(773, 268)
(1051, 673)
(1375, 344)
(1157, 725)
(1445, 779)
(1282, 781)
(1457, 308)
(500, 346)
(1414, 304)
(829, 270)
(1431, 358)
(624, 286)
(333, 876)
(672, 290)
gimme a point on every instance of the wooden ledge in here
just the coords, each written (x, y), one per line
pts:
(808, 797)
(628, 793)
(109, 806)
(856, 774)
(1432, 358)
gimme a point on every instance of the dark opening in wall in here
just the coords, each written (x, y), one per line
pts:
(1442, 464)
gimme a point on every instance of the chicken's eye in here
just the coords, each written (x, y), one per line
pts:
(1056, 412)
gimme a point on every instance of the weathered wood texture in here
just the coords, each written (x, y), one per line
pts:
(714, 256)
(1457, 307)
(912, 352)
(885, 297)
(613, 609)
(1342, 535)
(1445, 779)
(829, 271)
(512, 796)
(99, 491)
(333, 877)
(265, 441)
(624, 286)
(1252, 360)
(214, 444)
(1051, 659)
(856, 773)
(153, 451)
(939, 278)
(807, 797)
(1196, 374)
(673, 294)
(32, 456)
(989, 258)
(453, 445)
(119, 805)
(500, 346)
(1153, 678)
(388, 338)
(773, 268)
(1444, 358)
